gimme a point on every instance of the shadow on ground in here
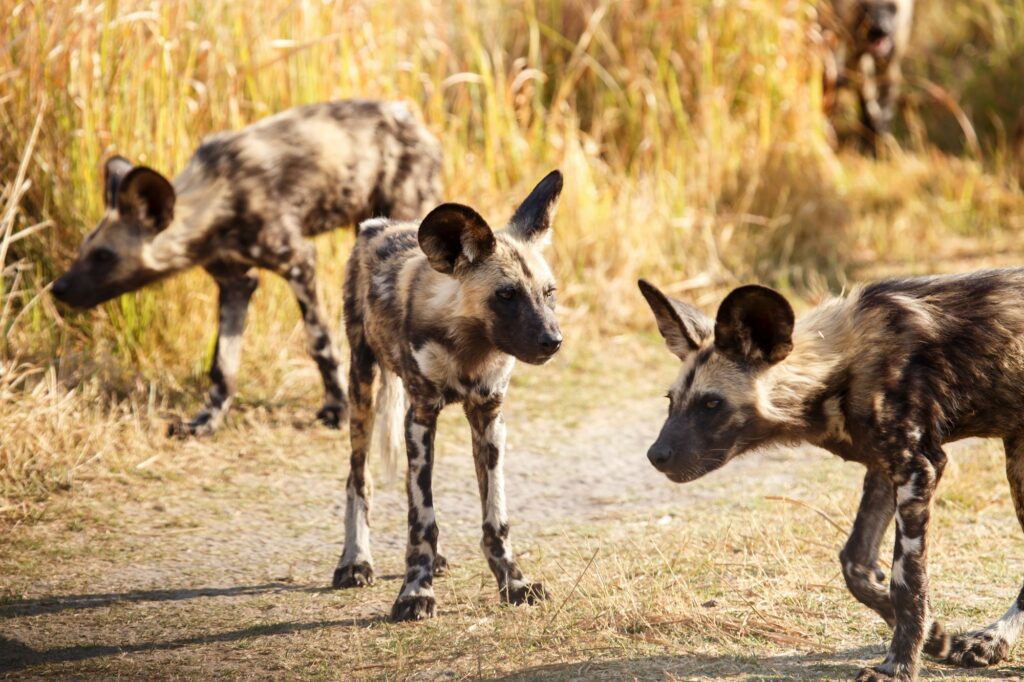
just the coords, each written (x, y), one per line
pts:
(15, 655)
(832, 665)
(74, 602)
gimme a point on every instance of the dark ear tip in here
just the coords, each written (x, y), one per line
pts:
(452, 211)
(450, 207)
(750, 292)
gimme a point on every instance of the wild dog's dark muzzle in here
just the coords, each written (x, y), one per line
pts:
(60, 288)
(550, 342)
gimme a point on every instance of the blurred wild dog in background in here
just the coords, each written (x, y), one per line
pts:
(864, 41)
(443, 309)
(883, 377)
(249, 199)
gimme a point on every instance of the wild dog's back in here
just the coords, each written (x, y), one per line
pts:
(960, 337)
(325, 164)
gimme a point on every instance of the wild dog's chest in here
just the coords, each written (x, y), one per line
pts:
(446, 374)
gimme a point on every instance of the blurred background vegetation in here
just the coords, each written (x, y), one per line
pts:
(690, 134)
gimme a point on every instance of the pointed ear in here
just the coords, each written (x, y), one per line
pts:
(114, 171)
(683, 326)
(147, 196)
(451, 232)
(755, 325)
(532, 220)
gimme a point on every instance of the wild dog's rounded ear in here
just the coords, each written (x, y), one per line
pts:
(114, 170)
(454, 231)
(148, 196)
(532, 220)
(755, 325)
(683, 326)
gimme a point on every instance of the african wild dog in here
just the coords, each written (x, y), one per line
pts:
(883, 377)
(866, 41)
(249, 199)
(444, 310)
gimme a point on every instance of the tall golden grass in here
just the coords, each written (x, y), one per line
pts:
(690, 134)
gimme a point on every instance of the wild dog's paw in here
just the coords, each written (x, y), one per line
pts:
(355, 575)
(440, 565)
(977, 649)
(524, 593)
(879, 675)
(202, 425)
(413, 608)
(333, 416)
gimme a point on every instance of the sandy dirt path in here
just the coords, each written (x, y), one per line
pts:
(251, 525)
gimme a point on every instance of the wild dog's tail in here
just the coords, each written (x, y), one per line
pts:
(390, 422)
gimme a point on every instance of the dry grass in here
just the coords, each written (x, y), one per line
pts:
(693, 146)
(214, 564)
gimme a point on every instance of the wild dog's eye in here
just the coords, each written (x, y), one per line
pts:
(102, 256)
(550, 294)
(507, 293)
(712, 404)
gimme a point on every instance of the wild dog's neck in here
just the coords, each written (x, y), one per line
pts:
(200, 204)
(788, 391)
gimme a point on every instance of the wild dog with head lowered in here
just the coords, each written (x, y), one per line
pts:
(250, 199)
(883, 377)
(443, 308)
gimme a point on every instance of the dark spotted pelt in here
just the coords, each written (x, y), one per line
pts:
(443, 309)
(883, 377)
(250, 199)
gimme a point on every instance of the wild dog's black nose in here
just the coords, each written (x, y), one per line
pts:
(659, 455)
(551, 343)
(60, 288)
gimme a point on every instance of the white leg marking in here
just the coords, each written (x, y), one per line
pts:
(357, 531)
(897, 573)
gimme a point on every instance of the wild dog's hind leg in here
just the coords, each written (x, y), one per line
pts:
(488, 428)
(301, 276)
(859, 558)
(416, 600)
(355, 567)
(994, 643)
(236, 285)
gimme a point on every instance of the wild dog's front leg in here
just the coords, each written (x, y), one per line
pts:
(301, 276)
(416, 600)
(915, 486)
(236, 285)
(859, 557)
(488, 429)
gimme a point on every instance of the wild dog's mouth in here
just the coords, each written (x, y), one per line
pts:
(541, 359)
(880, 46)
(82, 300)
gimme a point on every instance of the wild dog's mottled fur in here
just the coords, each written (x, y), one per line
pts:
(249, 199)
(444, 308)
(884, 377)
(867, 39)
